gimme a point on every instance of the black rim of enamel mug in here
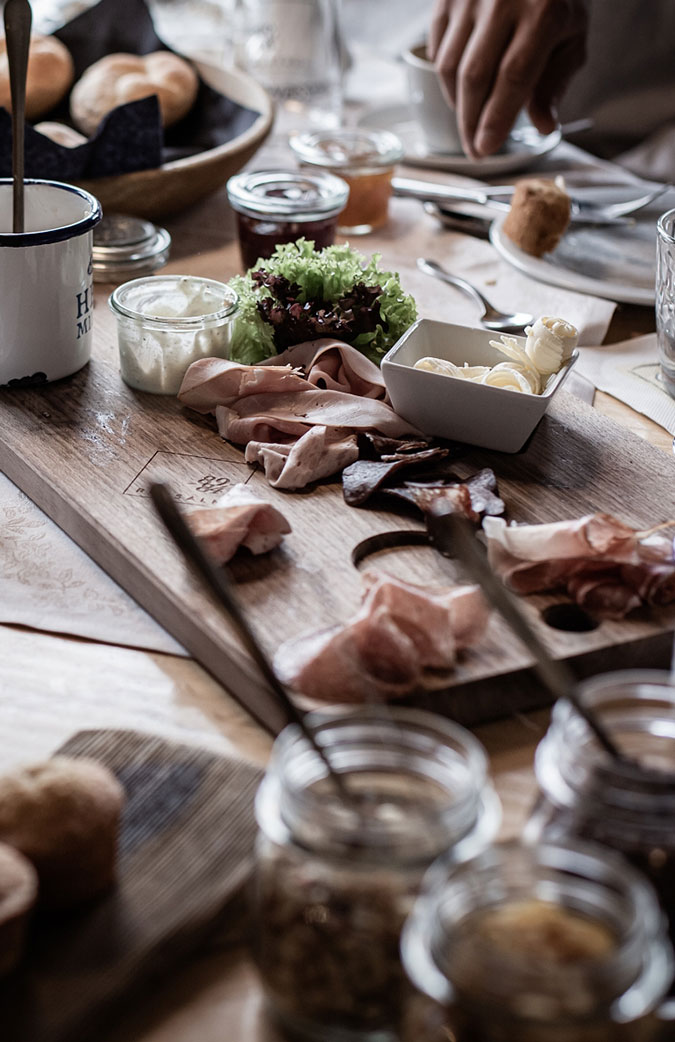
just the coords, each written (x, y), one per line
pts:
(60, 234)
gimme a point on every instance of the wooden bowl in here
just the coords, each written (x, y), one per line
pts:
(182, 182)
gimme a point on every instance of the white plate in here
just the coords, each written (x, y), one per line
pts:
(618, 263)
(524, 145)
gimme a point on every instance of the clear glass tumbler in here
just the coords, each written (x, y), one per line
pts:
(293, 48)
(665, 298)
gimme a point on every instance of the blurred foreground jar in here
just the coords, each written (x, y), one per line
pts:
(275, 206)
(586, 795)
(365, 159)
(537, 944)
(335, 881)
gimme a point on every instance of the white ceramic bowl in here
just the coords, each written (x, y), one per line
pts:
(446, 407)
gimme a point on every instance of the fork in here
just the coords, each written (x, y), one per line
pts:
(497, 198)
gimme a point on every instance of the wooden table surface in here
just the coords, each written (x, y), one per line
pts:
(51, 687)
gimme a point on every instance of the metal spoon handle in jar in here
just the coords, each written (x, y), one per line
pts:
(18, 18)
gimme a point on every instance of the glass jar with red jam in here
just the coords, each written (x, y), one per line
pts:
(277, 206)
(366, 160)
(628, 806)
(545, 943)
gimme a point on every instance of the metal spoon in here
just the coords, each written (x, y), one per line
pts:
(18, 18)
(497, 321)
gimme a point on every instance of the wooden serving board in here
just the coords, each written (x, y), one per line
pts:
(85, 449)
(185, 852)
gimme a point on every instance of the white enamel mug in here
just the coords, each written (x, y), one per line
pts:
(46, 290)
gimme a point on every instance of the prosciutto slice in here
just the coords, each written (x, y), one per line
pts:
(400, 632)
(335, 366)
(275, 406)
(604, 565)
(237, 519)
(318, 453)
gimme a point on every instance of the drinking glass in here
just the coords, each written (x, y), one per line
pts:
(293, 48)
(665, 298)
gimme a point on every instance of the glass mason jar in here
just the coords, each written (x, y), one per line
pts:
(366, 160)
(275, 206)
(584, 794)
(335, 881)
(536, 944)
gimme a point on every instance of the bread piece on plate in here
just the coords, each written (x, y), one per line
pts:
(63, 815)
(50, 74)
(120, 78)
(18, 890)
(61, 133)
(539, 214)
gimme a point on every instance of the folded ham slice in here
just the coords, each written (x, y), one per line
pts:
(274, 406)
(604, 565)
(317, 454)
(237, 519)
(400, 633)
(334, 366)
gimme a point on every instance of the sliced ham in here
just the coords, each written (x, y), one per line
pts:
(210, 382)
(317, 454)
(335, 366)
(238, 518)
(605, 565)
(400, 632)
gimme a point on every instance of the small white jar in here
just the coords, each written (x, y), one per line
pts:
(166, 322)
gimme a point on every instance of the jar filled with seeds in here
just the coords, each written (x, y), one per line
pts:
(537, 944)
(337, 877)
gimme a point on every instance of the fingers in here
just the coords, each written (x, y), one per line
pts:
(475, 83)
(437, 28)
(458, 30)
(561, 66)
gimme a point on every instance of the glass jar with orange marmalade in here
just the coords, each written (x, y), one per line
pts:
(365, 159)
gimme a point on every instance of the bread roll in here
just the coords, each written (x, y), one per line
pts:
(119, 78)
(50, 74)
(18, 890)
(63, 815)
(61, 133)
(539, 214)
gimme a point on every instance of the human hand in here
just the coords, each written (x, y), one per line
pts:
(496, 56)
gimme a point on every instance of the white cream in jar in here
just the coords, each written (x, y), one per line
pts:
(166, 322)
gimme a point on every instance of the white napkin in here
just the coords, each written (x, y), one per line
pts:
(48, 583)
(630, 371)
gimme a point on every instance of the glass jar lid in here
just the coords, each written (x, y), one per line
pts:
(345, 149)
(125, 245)
(287, 194)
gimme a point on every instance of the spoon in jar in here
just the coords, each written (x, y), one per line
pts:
(18, 18)
(453, 536)
(215, 579)
(494, 320)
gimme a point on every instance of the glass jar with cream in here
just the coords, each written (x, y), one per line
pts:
(166, 322)
(537, 944)
(335, 880)
(365, 159)
(275, 206)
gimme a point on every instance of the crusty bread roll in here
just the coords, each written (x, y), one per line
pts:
(18, 890)
(63, 815)
(119, 78)
(539, 214)
(61, 133)
(50, 74)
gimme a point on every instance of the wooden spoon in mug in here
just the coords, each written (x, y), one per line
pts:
(18, 18)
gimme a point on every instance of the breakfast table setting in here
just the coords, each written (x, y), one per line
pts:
(111, 647)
